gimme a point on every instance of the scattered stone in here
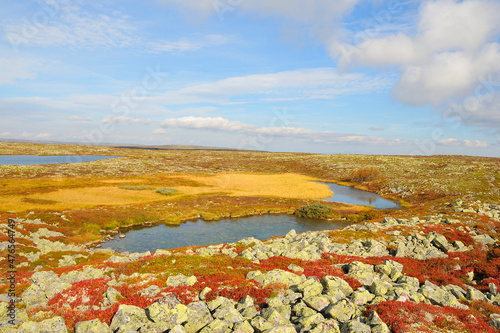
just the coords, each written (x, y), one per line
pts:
(92, 326)
(181, 280)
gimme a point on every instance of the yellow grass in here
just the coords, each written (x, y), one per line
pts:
(283, 185)
(60, 194)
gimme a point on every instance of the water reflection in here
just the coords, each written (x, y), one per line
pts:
(358, 197)
(224, 231)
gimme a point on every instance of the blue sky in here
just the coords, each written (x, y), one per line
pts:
(346, 76)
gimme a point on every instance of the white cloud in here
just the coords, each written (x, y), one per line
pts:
(463, 143)
(78, 118)
(160, 131)
(68, 24)
(319, 13)
(43, 136)
(124, 120)
(186, 44)
(377, 128)
(476, 143)
(316, 83)
(196, 111)
(16, 69)
(5, 134)
(219, 124)
(454, 45)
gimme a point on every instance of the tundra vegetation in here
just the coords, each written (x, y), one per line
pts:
(432, 266)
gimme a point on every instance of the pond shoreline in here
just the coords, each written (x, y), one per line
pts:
(123, 230)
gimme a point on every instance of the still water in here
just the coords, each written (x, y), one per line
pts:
(224, 231)
(352, 195)
(37, 160)
(200, 233)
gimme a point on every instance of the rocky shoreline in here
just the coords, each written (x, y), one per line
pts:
(321, 302)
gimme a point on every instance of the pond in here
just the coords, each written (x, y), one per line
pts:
(57, 159)
(199, 232)
(352, 195)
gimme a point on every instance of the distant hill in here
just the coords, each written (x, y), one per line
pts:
(128, 146)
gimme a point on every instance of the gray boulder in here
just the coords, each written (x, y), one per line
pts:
(130, 315)
(92, 326)
(52, 325)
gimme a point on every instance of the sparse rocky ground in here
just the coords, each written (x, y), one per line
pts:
(424, 273)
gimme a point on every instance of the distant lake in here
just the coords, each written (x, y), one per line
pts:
(354, 196)
(37, 160)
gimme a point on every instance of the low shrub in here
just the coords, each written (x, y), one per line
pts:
(315, 211)
(361, 175)
(136, 188)
(166, 191)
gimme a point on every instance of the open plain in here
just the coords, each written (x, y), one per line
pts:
(431, 266)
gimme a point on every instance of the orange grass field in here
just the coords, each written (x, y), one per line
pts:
(77, 193)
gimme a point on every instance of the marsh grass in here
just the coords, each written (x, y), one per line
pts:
(281, 185)
(137, 188)
(167, 191)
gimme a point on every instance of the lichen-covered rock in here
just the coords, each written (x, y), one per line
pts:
(361, 297)
(199, 317)
(376, 324)
(228, 313)
(45, 286)
(302, 310)
(439, 296)
(318, 303)
(130, 315)
(181, 280)
(278, 276)
(112, 296)
(260, 324)
(484, 239)
(151, 291)
(220, 301)
(218, 326)
(274, 317)
(34, 296)
(88, 273)
(355, 326)
(295, 268)
(474, 295)
(92, 326)
(494, 321)
(364, 273)
(310, 287)
(341, 311)
(440, 242)
(175, 329)
(306, 323)
(380, 288)
(334, 284)
(165, 313)
(53, 325)
(243, 327)
(282, 329)
(328, 326)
